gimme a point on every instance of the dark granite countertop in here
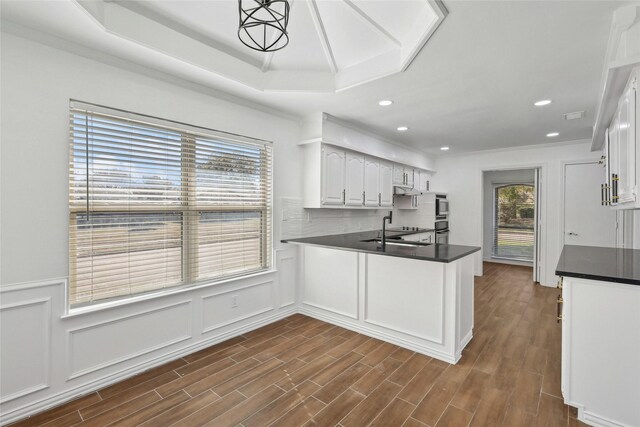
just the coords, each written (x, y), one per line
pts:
(598, 263)
(354, 242)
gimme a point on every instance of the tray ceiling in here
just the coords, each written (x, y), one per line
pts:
(334, 44)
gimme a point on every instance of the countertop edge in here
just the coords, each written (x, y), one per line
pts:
(341, 248)
(588, 276)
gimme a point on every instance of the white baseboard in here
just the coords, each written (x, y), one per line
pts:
(598, 421)
(92, 386)
(334, 320)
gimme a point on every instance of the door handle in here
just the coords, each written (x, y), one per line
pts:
(571, 233)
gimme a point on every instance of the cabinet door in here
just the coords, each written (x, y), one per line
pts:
(409, 177)
(614, 158)
(627, 147)
(386, 184)
(371, 181)
(333, 166)
(354, 179)
(398, 175)
(424, 182)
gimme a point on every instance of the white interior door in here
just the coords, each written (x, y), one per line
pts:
(586, 221)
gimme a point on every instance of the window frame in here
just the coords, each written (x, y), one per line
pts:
(494, 226)
(188, 209)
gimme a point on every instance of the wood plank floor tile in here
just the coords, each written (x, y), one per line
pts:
(526, 394)
(182, 410)
(471, 390)
(247, 408)
(412, 422)
(376, 375)
(341, 382)
(336, 410)
(552, 412)
(213, 349)
(378, 354)
(491, 409)
(121, 411)
(331, 371)
(281, 406)
(219, 377)
(435, 403)
(394, 415)
(193, 377)
(323, 348)
(211, 411)
(141, 378)
(518, 417)
(405, 373)
(299, 415)
(454, 417)
(209, 360)
(372, 405)
(152, 410)
(245, 377)
(421, 383)
(280, 373)
(306, 372)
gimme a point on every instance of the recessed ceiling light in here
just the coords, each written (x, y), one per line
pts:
(444, 148)
(385, 102)
(542, 102)
(552, 134)
(402, 128)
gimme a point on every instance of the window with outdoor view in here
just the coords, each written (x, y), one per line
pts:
(156, 204)
(514, 214)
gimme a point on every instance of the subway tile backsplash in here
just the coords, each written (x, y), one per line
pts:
(299, 222)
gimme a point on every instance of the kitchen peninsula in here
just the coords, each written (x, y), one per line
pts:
(415, 295)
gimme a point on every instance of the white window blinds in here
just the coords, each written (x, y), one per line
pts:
(156, 204)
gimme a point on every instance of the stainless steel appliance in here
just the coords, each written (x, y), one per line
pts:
(442, 206)
(442, 232)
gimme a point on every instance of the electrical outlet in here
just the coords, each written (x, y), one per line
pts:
(234, 301)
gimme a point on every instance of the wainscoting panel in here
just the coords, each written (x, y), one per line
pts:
(25, 349)
(286, 263)
(331, 280)
(100, 345)
(224, 308)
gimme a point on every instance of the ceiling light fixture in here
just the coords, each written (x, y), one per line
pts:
(542, 102)
(445, 148)
(552, 134)
(402, 128)
(385, 102)
(263, 24)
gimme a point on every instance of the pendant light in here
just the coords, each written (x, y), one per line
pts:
(263, 24)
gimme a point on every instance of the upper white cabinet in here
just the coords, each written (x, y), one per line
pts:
(372, 182)
(622, 151)
(386, 184)
(403, 175)
(354, 179)
(333, 175)
(422, 181)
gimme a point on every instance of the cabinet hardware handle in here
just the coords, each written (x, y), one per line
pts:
(602, 194)
(363, 198)
(344, 197)
(559, 309)
(559, 285)
(379, 199)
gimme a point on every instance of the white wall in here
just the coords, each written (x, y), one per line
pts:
(68, 356)
(490, 178)
(461, 177)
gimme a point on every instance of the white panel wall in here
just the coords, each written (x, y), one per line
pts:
(461, 177)
(47, 357)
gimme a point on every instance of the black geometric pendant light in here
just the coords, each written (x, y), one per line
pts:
(263, 24)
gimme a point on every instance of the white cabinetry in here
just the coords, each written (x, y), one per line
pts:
(339, 178)
(372, 181)
(422, 177)
(386, 184)
(333, 175)
(398, 175)
(354, 179)
(601, 351)
(622, 152)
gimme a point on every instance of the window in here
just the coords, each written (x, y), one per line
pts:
(156, 204)
(514, 211)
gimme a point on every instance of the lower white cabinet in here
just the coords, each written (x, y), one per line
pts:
(601, 350)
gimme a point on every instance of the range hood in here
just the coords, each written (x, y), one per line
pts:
(400, 190)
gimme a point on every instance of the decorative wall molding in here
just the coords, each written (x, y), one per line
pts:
(22, 286)
(45, 355)
(259, 310)
(72, 349)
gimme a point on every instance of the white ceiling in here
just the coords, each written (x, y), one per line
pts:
(471, 87)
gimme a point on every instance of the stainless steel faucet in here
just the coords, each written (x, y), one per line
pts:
(384, 224)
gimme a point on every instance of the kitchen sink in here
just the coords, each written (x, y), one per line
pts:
(398, 242)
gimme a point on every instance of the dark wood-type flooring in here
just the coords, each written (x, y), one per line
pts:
(301, 371)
